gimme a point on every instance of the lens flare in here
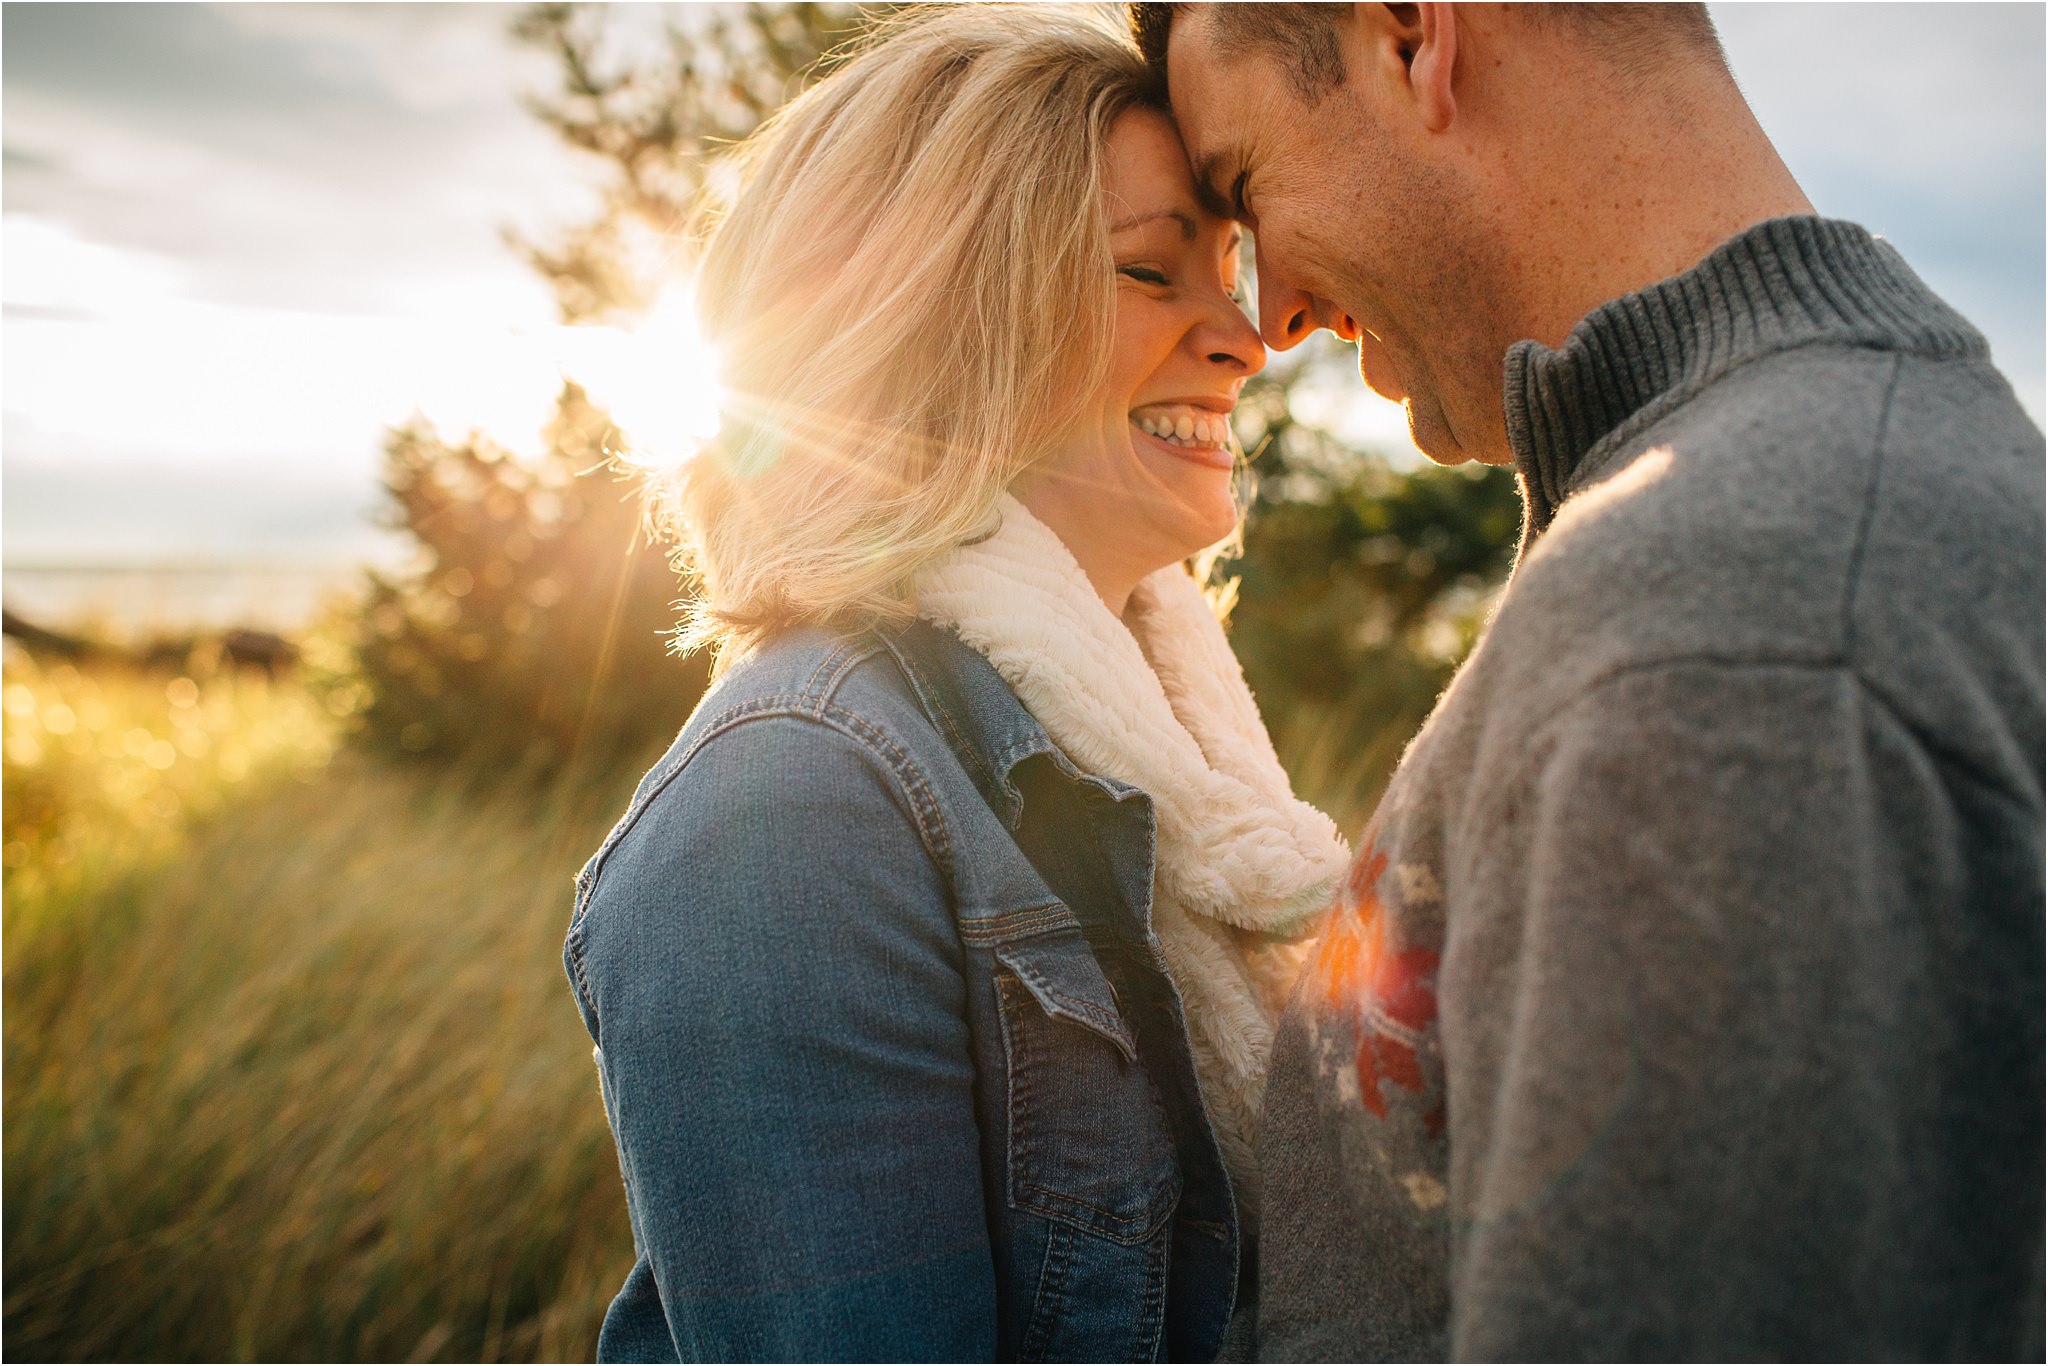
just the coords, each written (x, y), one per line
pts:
(659, 380)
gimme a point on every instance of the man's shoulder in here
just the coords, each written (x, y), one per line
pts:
(1747, 521)
(1835, 507)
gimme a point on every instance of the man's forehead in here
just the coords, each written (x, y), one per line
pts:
(1207, 104)
(1196, 65)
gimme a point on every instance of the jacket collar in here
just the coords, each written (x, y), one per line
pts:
(979, 715)
(992, 733)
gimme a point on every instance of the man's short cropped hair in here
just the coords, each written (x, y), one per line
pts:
(1303, 37)
(1639, 39)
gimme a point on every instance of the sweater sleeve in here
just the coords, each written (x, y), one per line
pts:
(1742, 1038)
(776, 992)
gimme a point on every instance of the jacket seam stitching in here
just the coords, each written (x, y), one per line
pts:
(1132, 1226)
(832, 663)
(1153, 1321)
(854, 655)
(931, 825)
(797, 706)
(996, 930)
(934, 707)
(1045, 1303)
(575, 948)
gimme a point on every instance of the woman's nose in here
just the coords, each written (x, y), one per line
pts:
(1228, 338)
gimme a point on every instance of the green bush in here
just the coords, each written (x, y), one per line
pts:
(1360, 589)
(531, 633)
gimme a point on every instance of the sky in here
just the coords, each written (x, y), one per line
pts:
(237, 242)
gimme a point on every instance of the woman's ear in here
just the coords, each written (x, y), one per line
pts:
(1418, 45)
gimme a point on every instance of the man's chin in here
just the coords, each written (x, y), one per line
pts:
(1429, 427)
(1378, 375)
(1431, 432)
(1434, 438)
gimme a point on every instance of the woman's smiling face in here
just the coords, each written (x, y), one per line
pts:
(1148, 478)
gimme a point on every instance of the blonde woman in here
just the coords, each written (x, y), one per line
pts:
(932, 972)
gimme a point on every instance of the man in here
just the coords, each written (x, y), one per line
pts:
(1686, 999)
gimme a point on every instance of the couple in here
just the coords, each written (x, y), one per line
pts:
(967, 981)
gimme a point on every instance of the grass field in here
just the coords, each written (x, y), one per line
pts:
(292, 1072)
(291, 1068)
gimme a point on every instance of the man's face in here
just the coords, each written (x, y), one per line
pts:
(1359, 227)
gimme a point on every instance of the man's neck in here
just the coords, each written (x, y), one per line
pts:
(1683, 174)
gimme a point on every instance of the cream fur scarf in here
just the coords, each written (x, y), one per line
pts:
(1157, 700)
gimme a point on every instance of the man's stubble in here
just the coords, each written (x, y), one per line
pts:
(1447, 302)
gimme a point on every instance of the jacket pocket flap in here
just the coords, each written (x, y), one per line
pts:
(1062, 975)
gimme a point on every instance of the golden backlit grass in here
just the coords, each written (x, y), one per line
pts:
(291, 1068)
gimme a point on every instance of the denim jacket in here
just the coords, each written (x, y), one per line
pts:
(885, 1038)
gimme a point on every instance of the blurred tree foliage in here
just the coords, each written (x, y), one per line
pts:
(1362, 585)
(532, 598)
(530, 632)
(657, 118)
(1360, 589)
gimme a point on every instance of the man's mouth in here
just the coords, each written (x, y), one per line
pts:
(1186, 430)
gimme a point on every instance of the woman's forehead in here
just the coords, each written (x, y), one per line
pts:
(1146, 178)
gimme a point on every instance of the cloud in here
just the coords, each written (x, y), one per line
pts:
(1925, 124)
(356, 159)
(426, 57)
(115, 511)
(1895, 92)
(51, 273)
(16, 162)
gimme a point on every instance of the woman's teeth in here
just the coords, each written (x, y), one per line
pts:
(1184, 426)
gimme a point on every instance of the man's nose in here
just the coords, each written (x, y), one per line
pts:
(1286, 314)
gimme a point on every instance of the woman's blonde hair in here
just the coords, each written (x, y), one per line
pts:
(912, 294)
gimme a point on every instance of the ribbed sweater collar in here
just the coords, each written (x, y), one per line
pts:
(1784, 283)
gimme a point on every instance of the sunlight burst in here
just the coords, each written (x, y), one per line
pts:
(659, 380)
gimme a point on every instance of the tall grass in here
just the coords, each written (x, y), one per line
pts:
(291, 1070)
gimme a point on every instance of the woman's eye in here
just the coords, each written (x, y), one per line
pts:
(1144, 274)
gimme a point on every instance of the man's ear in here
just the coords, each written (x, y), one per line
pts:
(1416, 46)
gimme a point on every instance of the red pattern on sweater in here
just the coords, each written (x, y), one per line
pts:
(1392, 991)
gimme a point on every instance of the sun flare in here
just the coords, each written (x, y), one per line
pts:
(659, 380)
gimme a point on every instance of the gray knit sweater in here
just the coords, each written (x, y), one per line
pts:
(1686, 1000)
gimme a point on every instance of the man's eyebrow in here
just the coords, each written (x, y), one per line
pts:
(1205, 185)
(1186, 221)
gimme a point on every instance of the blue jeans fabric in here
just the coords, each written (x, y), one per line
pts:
(891, 1057)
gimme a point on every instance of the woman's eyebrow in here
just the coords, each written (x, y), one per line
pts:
(1181, 216)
